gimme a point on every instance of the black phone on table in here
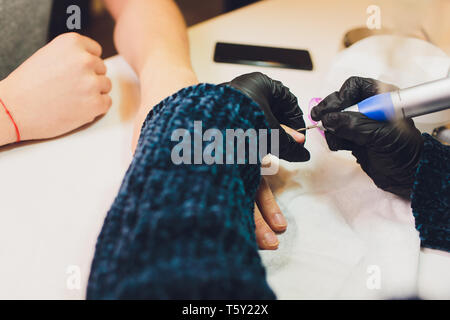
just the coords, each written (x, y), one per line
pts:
(263, 56)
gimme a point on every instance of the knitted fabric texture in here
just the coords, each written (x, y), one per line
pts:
(431, 195)
(184, 231)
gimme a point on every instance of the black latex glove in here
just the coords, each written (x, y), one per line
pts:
(279, 106)
(388, 152)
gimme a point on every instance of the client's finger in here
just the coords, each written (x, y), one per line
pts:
(298, 137)
(99, 66)
(268, 207)
(91, 46)
(105, 84)
(265, 237)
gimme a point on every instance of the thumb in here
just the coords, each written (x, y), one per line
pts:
(291, 150)
(353, 127)
(292, 143)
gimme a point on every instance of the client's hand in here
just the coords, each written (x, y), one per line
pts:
(58, 89)
(279, 106)
(388, 152)
(269, 219)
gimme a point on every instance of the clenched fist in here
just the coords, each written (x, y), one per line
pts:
(60, 88)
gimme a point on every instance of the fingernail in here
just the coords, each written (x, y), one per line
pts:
(299, 137)
(279, 220)
(270, 239)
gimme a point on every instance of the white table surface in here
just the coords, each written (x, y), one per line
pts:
(55, 194)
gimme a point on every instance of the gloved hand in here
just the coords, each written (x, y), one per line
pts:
(388, 152)
(278, 105)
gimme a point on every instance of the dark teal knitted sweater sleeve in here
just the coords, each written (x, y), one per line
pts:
(183, 231)
(431, 195)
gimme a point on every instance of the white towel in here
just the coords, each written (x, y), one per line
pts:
(346, 238)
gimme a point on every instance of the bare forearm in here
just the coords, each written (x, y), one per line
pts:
(151, 36)
(149, 28)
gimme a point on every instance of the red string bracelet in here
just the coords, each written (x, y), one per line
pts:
(12, 120)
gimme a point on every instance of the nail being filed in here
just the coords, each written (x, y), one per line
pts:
(307, 128)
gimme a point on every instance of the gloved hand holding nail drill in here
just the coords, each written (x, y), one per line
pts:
(395, 155)
(388, 152)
